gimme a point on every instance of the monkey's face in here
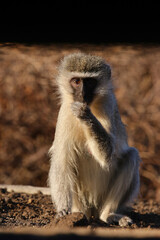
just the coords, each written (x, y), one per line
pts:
(84, 89)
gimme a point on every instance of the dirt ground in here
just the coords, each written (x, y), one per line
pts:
(32, 211)
(22, 209)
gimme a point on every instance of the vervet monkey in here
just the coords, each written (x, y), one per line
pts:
(93, 170)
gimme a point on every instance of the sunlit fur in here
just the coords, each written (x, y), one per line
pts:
(81, 178)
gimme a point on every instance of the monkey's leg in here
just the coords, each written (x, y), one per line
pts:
(60, 182)
(100, 142)
(124, 187)
(60, 190)
(78, 206)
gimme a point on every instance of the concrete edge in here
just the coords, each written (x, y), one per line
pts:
(99, 232)
(25, 189)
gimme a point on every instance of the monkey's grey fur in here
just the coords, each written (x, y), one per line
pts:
(93, 170)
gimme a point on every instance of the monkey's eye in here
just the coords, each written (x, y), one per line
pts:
(75, 82)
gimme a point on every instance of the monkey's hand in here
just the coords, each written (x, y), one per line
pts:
(81, 110)
(102, 140)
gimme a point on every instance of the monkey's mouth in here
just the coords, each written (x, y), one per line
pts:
(88, 99)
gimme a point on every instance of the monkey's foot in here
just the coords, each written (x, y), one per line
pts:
(62, 213)
(119, 219)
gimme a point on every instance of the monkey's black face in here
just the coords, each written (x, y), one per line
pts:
(84, 89)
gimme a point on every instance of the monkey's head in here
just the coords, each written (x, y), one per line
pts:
(83, 77)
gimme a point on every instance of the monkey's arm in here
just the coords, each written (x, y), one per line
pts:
(100, 142)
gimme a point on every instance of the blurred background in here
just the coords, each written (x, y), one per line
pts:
(29, 105)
